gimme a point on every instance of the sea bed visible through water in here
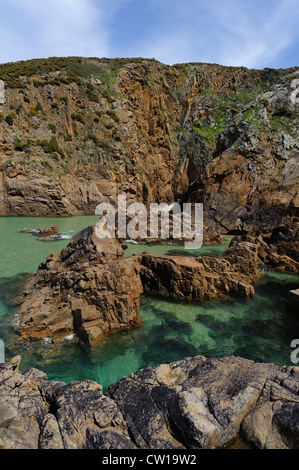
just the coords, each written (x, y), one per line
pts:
(261, 328)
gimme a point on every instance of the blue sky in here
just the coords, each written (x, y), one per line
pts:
(252, 33)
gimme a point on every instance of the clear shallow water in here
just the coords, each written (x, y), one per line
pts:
(260, 329)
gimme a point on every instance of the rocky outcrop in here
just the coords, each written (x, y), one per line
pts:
(87, 290)
(251, 186)
(43, 231)
(279, 250)
(36, 414)
(195, 403)
(90, 289)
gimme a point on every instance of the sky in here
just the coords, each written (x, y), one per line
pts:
(250, 33)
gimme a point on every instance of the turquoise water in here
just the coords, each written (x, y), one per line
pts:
(260, 329)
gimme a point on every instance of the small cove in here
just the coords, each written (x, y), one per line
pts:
(260, 329)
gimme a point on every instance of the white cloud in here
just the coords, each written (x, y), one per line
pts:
(252, 33)
(255, 33)
(56, 28)
(255, 37)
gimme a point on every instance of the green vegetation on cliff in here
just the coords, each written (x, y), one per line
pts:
(147, 128)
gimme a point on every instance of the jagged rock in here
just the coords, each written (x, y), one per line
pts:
(194, 403)
(237, 191)
(88, 290)
(208, 277)
(280, 250)
(36, 414)
(43, 232)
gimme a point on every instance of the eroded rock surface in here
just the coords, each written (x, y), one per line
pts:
(195, 403)
(223, 136)
(89, 289)
(203, 278)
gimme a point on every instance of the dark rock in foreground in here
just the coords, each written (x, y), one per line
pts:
(195, 403)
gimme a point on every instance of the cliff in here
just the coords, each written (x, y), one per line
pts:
(78, 131)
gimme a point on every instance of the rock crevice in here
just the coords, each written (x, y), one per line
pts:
(195, 403)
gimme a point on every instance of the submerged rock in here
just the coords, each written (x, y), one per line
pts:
(195, 403)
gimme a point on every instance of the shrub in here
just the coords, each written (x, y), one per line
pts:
(9, 119)
(38, 107)
(19, 146)
(78, 117)
(51, 146)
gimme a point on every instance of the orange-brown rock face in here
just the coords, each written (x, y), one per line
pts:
(75, 132)
(87, 290)
(206, 278)
(253, 186)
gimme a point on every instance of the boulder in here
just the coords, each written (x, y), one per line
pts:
(280, 249)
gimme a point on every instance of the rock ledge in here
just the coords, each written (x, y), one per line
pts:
(195, 403)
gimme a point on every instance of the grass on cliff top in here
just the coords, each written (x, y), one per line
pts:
(75, 68)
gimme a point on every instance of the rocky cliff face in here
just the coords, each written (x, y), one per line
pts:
(76, 131)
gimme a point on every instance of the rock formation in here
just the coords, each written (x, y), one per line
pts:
(75, 132)
(193, 404)
(208, 277)
(43, 231)
(88, 290)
